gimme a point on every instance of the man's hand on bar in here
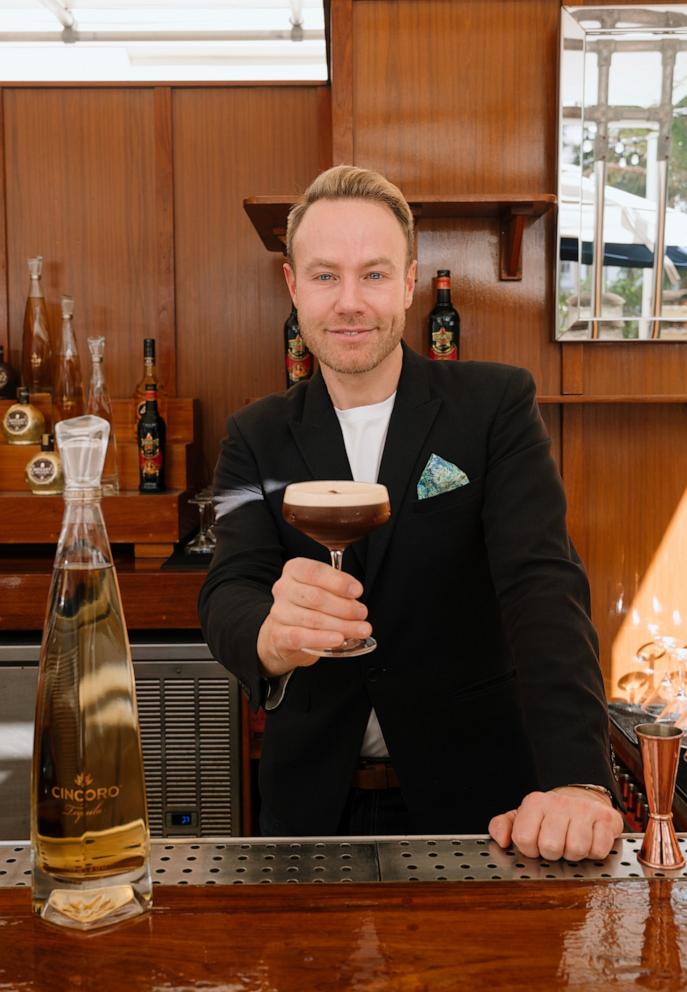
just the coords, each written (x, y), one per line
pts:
(568, 822)
(314, 607)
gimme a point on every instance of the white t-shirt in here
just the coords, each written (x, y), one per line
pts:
(364, 431)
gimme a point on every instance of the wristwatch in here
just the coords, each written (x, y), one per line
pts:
(601, 789)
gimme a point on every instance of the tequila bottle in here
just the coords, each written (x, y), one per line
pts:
(36, 352)
(68, 382)
(99, 405)
(23, 423)
(44, 470)
(89, 825)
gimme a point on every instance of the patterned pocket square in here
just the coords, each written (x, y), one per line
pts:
(440, 476)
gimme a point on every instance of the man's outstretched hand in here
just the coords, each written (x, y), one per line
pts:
(568, 822)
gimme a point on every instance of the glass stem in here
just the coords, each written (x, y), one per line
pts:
(337, 558)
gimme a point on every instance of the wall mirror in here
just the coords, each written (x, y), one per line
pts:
(622, 174)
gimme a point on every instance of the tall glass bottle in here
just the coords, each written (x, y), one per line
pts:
(100, 405)
(149, 375)
(89, 824)
(68, 382)
(36, 352)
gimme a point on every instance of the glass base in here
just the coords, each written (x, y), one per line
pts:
(88, 905)
(349, 649)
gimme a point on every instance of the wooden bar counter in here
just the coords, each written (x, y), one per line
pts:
(589, 933)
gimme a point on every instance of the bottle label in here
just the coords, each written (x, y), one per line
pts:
(41, 471)
(442, 282)
(17, 421)
(150, 457)
(443, 346)
(298, 367)
(4, 378)
(85, 798)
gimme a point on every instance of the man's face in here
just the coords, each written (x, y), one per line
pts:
(349, 283)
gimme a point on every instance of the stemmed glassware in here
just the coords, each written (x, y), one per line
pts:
(204, 542)
(336, 514)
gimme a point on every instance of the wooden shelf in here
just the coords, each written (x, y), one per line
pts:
(268, 215)
(634, 399)
(152, 523)
(152, 599)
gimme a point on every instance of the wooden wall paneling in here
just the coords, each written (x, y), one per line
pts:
(164, 207)
(572, 369)
(231, 297)
(81, 191)
(4, 315)
(452, 97)
(343, 137)
(625, 477)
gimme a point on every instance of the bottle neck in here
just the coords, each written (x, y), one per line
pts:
(83, 539)
(444, 297)
(97, 376)
(35, 287)
(68, 340)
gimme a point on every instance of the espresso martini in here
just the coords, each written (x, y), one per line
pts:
(336, 513)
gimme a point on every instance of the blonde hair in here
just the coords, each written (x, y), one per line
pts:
(348, 182)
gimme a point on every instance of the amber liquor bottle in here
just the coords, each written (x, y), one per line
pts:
(68, 380)
(151, 445)
(298, 358)
(444, 322)
(149, 375)
(23, 423)
(8, 378)
(36, 352)
(44, 475)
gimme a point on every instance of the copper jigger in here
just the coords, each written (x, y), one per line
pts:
(660, 745)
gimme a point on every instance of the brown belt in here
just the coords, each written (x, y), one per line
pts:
(375, 775)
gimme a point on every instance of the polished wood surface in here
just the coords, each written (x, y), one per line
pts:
(4, 316)
(442, 937)
(152, 599)
(81, 191)
(231, 297)
(341, 30)
(625, 472)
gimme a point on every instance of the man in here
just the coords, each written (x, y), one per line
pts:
(484, 689)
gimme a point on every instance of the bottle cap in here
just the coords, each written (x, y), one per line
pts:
(149, 347)
(67, 304)
(22, 395)
(35, 265)
(444, 273)
(83, 444)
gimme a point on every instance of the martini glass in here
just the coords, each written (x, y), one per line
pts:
(336, 514)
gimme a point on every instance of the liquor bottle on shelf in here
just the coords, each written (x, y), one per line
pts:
(44, 475)
(298, 358)
(23, 423)
(36, 353)
(444, 322)
(149, 375)
(100, 405)
(151, 445)
(89, 824)
(8, 378)
(68, 382)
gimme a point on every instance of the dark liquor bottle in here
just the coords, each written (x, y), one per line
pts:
(149, 375)
(8, 378)
(444, 322)
(298, 358)
(151, 445)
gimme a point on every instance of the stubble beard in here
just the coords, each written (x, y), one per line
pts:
(386, 342)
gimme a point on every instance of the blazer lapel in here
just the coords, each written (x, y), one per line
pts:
(411, 420)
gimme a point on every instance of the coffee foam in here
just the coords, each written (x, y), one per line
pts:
(340, 493)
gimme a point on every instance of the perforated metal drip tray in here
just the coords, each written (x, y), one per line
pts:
(398, 859)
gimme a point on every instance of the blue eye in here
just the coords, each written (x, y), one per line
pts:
(324, 276)
(374, 275)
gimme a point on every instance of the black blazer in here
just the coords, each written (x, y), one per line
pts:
(485, 681)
